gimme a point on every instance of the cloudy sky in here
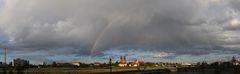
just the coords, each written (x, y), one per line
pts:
(94, 30)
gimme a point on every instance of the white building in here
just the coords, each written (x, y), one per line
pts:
(75, 63)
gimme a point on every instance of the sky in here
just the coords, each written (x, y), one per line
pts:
(95, 30)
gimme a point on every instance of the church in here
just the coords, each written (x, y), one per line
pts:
(122, 61)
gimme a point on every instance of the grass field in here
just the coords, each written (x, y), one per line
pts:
(88, 69)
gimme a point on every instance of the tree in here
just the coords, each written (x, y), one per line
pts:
(54, 64)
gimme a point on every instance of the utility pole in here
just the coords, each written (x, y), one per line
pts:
(110, 64)
(5, 55)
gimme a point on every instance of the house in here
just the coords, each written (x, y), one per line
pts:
(135, 63)
(97, 63)
(76, 63)
(20, 62)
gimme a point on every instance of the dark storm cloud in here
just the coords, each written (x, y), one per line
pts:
(235, 4)
(81, 26)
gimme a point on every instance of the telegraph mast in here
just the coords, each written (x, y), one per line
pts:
(5, 55)
(110, 64)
